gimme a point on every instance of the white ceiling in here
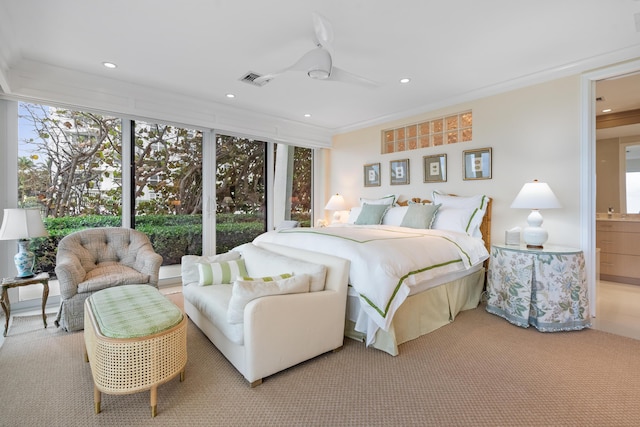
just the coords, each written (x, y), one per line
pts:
(452, 50)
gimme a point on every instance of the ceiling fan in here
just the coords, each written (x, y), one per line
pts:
(318, 62)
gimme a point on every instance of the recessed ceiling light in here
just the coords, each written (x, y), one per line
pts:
(405, 80)
(109, 65)
(307, 115)
(230, 95)
(606, 110)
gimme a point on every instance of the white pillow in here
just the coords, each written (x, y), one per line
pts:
(477, 204)
(189, 265)
(389, 199)
(353, 214)
(261, 262)
(394, 215)
(244, 291)
(453, 219)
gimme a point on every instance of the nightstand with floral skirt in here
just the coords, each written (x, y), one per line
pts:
(546, 288)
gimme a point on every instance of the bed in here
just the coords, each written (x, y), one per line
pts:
(413, 267)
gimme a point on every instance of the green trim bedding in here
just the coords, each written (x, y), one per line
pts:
(386, 261)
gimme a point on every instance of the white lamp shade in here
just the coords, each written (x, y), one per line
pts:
(20, 224)
(536, 195)
(336, 203)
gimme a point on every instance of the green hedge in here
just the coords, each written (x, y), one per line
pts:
(171, 235)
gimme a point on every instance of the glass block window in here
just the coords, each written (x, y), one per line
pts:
(432, 133)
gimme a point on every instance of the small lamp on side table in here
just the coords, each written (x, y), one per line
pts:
(336, 203)
(22, 225)
(535, 195)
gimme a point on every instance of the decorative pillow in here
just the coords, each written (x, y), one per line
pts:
(353, 214)
(394, 215)
(386, 200)
(261, 262)
(453, 219)
(218, 273)
(477, 204)
(189, 265)
(266, 278)
(419, 216)
(371, 214)
(244, 291)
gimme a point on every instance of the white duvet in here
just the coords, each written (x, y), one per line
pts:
(386, 261)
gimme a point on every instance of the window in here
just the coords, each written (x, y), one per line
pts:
(240, 191)
(168, 188)
(67, 162)
(633, 192)
(293, 176)
(84, 169)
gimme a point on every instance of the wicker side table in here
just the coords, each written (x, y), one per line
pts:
(131, 365)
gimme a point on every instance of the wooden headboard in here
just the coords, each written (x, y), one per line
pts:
(485, 227)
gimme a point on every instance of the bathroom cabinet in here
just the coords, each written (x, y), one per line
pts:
(619, 243)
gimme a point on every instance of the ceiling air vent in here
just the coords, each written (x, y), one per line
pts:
(251, 77)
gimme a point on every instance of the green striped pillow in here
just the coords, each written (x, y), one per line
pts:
(267, 278)
(218, 273)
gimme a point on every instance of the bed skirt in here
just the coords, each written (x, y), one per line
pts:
(425, 312)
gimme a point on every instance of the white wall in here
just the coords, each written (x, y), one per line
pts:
(534, 133)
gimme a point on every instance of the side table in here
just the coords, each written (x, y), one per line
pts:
(42, 278)
(546, 288)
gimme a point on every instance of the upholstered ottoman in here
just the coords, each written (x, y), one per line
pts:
(135, 339)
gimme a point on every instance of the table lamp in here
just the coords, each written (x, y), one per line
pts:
(336, 203)
(22, 225)
(535, 196)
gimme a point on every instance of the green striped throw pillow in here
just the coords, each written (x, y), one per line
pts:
(267, 278)
(218, 273)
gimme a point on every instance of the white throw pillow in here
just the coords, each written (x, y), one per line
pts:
(261, 262)
(244, 291)
(389, 199)
(394, 215)
(353, 214)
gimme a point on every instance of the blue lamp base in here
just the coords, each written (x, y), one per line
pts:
(24, 260)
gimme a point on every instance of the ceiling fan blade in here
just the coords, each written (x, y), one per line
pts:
(318, 59)
(268, 77)
(323, 30)
(338, 74)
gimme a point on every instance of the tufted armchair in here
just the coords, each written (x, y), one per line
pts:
(98, 258)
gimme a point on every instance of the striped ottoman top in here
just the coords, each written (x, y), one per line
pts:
(132, 311)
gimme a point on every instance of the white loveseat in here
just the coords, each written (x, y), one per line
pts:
(278, 331)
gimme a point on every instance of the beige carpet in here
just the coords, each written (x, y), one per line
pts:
(478, 371)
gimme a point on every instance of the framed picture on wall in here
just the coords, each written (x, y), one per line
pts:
(372, 175)
(399, 172)
(477, 164)
(435, 168)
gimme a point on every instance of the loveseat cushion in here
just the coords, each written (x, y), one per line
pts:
(108, 274)
(261, 262)
(212, 302)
